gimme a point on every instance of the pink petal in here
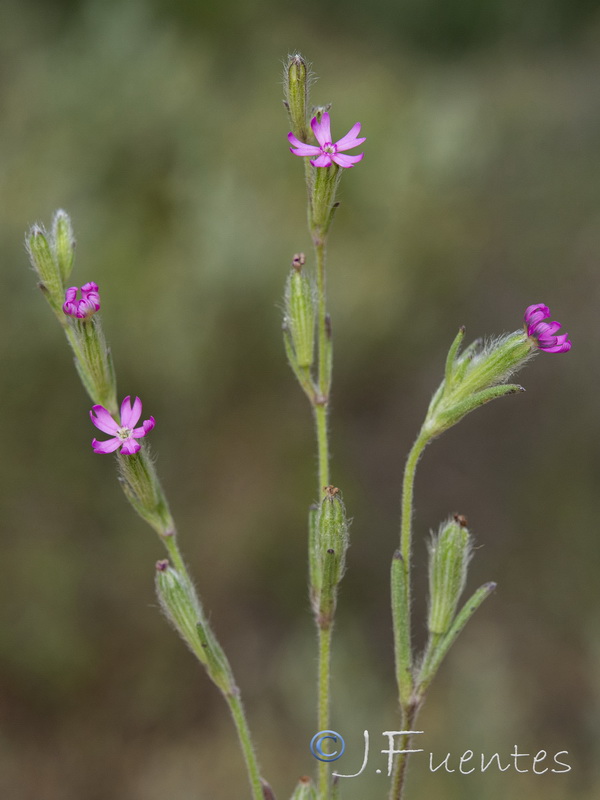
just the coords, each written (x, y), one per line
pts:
(322, 130)
(350, 140)
(324, 160)
(145, 428)
(302, 149)
(106, 447)
(535, 313)
(71, 293)
(130, 414)
(125, 411)
(347, 161)
(351, 145)
(130, 446)
(558, 348)
(305, 151)
(103, 420)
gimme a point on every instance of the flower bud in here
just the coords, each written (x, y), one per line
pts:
(93, 360)
(449, 555)
(38, 244)
(304, 790)
(475, 377)
(300, 316)
(296, 80)
(182, 608)
(332, 530)
(179, 602)
(64, 243)
(331, 544)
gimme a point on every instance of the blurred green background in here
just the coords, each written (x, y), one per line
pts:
(159, 127)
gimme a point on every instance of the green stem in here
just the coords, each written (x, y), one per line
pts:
(232, 697)
(409, 717)
(237, 712)
(322, 446)
(323, 345)
(407, 497)
(321, 317)
(321, 408)
(324, 681)
(170, 542)
(406, 528)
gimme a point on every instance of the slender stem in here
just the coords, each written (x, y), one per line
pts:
(406, 530)
(322, 446)
(322, 313)
(232, 697)
(409, 708)
(237, 711)
(324, 681)
(170, 542)
(323, 346)
(409, 717)
(321, 408)
(407, 497)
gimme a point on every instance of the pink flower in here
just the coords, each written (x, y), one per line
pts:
(327, 152)
(124, 434)
(88, 305)
(544, 332)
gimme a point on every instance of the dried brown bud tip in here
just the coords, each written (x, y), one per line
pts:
(298, 261)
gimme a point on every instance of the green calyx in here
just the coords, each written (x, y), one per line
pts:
(475, 377)
(328, 559)
(300, 315)
(449, 554)
(181, 606)
(296, 84)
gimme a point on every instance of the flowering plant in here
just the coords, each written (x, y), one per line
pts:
(472, 377)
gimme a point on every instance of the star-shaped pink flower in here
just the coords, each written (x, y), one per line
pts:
(125, 434)
(328, 152)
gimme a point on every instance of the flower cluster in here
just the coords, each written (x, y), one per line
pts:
(88, 305)
(124, 434)
(328, 152)
(544, 332)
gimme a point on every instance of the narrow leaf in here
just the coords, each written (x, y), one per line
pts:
(439, 651)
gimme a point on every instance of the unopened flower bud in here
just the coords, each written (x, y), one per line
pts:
(300, 316)
(181, 606)
(64, 243)
(449, 555)
(42, 259)
(332, 530)
(475, 377)
(179, 602)
(296, 80)
(304, 790)
(331, 544)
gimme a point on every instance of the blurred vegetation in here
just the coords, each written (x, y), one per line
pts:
(159, 127)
